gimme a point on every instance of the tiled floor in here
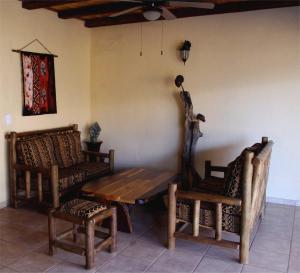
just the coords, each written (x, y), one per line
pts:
(275, 248)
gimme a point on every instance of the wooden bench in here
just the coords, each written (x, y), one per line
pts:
(43, 169)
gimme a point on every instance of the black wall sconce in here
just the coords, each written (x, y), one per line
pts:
(185, 51)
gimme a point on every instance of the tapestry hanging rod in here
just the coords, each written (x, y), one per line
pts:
(35, 40)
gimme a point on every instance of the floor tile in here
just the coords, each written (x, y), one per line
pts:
(176, 260)
(100, 258)
(33, 262)
(212, 265)
(294, 264)
(10, 253)
(5, 269)
(25, 237)
(59, 253)
(280, 211)
(275, 232)
(295, 250)
(269, 260)
(69, 267)
(255, 269)
(227, 254)
(274, 245)
(143, 250)
(124, 264)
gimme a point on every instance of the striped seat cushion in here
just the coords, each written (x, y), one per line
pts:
(69, 177)
(68, 151)
(92, 169)
(36, 152)
(82, 208)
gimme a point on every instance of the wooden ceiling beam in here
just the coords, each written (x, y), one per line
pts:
(38, 4)
(105, 9)
(190, 12)
(125, 19)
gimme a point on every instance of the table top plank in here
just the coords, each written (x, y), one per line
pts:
(130, 185)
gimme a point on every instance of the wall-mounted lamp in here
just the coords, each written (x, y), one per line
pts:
(185, 51)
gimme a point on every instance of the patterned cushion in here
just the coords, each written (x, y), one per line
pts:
(82, 208)
(230, 222)
(67, 149)
(36, 152)
(93, 169)
(233, 178)
(69, 177)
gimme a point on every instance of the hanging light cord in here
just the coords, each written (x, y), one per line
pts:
(141, 37)
(162, 38)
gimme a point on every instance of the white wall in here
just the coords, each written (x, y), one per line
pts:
(243, 74)
(71, 42)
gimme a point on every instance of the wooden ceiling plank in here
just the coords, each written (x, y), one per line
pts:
(128, 19)
(105, 9)
(38, 4)
(190, 12)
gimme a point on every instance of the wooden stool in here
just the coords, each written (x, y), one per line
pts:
(84, 215)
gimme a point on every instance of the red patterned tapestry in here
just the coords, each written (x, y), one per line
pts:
(38, 84)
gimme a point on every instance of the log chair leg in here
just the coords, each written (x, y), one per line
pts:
(218, 232)
(196, 218)
(14, 200)
(51, 232)
(113, 230)
(75, 233)
(27, 184)
(172, 216)
(89, 244)
(244, 248)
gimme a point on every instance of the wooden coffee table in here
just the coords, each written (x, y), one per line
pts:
(128, 188)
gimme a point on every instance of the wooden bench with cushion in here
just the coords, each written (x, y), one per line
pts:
(231, 204)
(47, 165)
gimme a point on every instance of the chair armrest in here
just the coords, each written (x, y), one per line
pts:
(35, 170)
(207, 197)
(109, 156)
(98, 154)
(210, 168)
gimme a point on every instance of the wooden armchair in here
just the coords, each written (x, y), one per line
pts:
(235, 209)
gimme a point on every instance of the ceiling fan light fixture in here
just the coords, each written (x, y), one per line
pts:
(152, 14)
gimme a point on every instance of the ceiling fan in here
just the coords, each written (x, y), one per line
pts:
(154, 9)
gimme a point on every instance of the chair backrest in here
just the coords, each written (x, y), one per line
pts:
(36, 133)
(13, 137)
(255, 178)
(261, 164)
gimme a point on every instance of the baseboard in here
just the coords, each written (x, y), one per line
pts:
(3, 204)
(283, 201)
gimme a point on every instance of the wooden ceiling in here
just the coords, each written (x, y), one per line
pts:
(95, 13)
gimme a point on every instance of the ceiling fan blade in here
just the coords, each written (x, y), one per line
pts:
(168, 15)
(199, 5)
(125, 12)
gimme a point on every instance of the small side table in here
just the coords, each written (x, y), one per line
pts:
(93, 147)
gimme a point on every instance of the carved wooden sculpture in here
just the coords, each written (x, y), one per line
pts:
(191, 135)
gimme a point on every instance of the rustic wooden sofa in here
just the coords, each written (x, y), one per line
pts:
(47, 165)
(233, 203)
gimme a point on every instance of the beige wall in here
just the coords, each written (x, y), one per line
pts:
(243, 74)
(71, 42)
